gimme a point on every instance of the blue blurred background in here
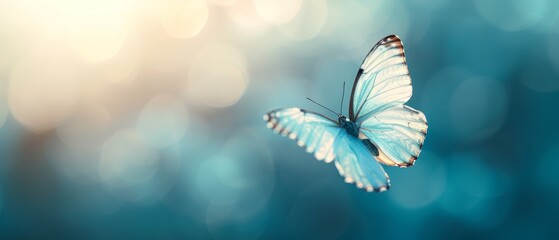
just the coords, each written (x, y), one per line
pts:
(143, 119)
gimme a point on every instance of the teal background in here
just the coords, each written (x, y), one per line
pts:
(485, 73)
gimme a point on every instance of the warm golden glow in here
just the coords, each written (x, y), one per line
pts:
(184, 18)
(43, 93)
(277, 12)
(218, 76)
(222, 2)
(244, 14)
(124, 66)
(308, 22)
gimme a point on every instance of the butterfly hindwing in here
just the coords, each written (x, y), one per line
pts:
(398, 133)
(355, 162)
(381, 88)
(327, 141)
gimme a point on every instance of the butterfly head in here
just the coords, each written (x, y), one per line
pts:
(351, 127)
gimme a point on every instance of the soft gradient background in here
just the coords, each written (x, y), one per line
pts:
(143, 119)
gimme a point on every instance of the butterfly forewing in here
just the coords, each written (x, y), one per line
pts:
(383, 81)
(314, 132)
(381, 88)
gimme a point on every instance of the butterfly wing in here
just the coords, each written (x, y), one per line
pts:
(326, 140)
(398, 133)
(381, 88)
(312, 131)
(355, 162)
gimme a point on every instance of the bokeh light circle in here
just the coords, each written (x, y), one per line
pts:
(127, 165)
(86, 128)
(184, 19)
(364, 15)
(546, 174)
(223, 222)
(420, 185)
(80, 165)
(123, 68)
(44, 87)
(277, 12)
(229, 175)
(94, 30)
(237, 184)
(163, 121)
(218, 76)
(436, 101)
(213, 175)
(4, 111)
(244, 14)
(476, 192)
(308, 22)
(541, 74)
(427, 4)
(488, 59)
(514, 16)
(100, 37)
(165, 55)
(222, 2)
(478, 108)
(477, 177)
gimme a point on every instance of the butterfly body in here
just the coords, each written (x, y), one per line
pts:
(353, 129)
(380, 128)
(350, 127)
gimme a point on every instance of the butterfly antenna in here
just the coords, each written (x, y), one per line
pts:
(323, 106)
(342, 103)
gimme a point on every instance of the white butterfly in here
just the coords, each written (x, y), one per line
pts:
(380, 127)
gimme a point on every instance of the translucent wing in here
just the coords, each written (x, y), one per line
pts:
(398, 133)
(381, 88)
(383, 81)
(312, 131)
(356, 164)
(326, 140)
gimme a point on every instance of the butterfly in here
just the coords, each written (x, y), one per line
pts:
(380, 128)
